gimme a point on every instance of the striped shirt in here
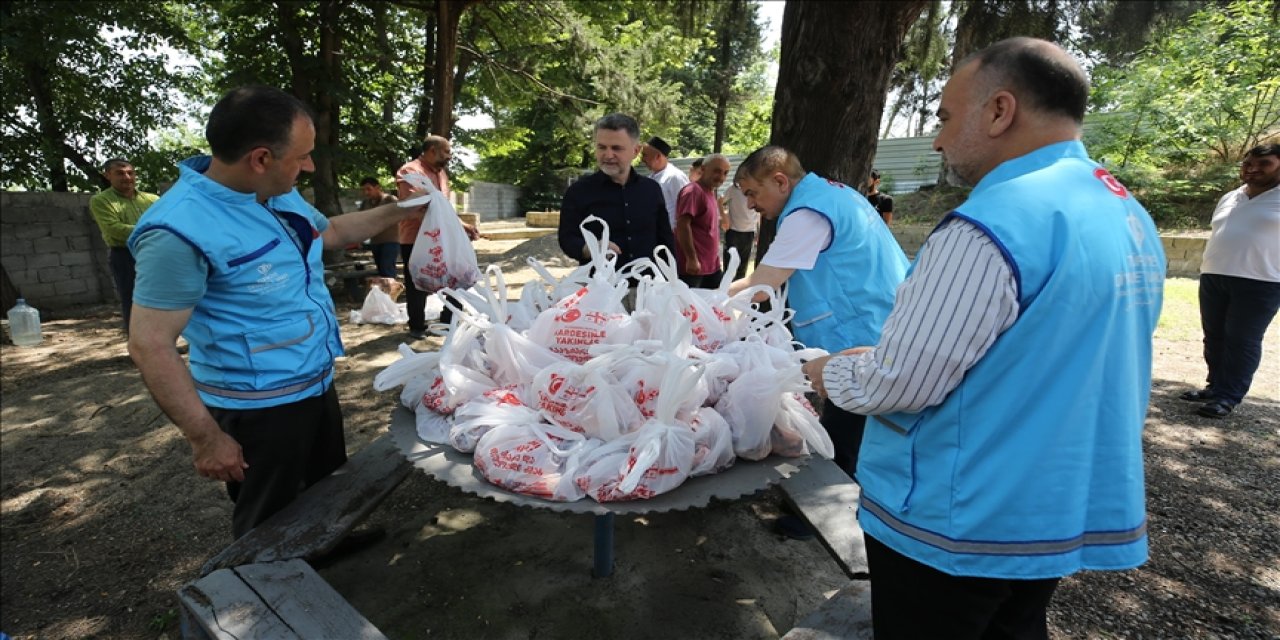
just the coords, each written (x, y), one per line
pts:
(949, 311)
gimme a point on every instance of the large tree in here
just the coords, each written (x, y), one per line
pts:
(84, 82)
(837, 58)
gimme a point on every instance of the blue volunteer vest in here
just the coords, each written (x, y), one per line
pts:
(1032, 466)
(845, 298)
(265, 333)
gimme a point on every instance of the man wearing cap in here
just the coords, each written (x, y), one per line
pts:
(672, 180)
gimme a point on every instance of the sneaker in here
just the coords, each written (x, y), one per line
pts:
(417, 334)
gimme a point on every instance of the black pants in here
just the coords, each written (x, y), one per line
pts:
(914, 601)
(846, 431)
(122, 272)
(1234, 314)
(742, 241)
(288, 448)
(709, 281)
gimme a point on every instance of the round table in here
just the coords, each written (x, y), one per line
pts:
(455, 468)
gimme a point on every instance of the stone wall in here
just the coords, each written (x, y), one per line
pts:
(493, 201)
(1183, 251)
(52, 250)
(53, 253)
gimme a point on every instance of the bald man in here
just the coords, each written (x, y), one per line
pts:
(1010, 382)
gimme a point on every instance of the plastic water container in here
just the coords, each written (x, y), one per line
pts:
(24, 324)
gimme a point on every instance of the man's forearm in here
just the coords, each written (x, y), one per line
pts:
(684, 236)
(170, 383)
(358, 225)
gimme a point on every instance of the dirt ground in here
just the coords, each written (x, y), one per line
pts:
(102, 518)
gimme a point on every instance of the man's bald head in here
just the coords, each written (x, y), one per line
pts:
(1038, 72)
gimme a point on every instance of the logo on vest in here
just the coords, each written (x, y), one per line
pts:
(268, 279)
(1109, 181)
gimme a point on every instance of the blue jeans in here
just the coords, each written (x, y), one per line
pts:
(122, 272)
(385, 255)
(1234, 314)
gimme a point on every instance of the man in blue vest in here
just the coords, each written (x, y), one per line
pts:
(230, 258)
(1010, 384)
(840, 263)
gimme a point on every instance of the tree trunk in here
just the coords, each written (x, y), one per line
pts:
(324, 181)
(51, 136)
(826, 111)
(833, 79)
(448, 15)
(392, 156)
(423, 124)
(722, 106)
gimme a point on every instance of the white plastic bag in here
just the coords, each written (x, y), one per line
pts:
(411, 363)
(442, 253)
(585, 399)
(535, 460)
(712, 443)
(498, 407)
(379, 308)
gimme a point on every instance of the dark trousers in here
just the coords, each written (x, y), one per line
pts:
(120, 260)
(416, 299)
(912, 601)
(709, 281)
(385, 255)
(742, 241)
(1234, 314)
(288, 448)
(846, 431)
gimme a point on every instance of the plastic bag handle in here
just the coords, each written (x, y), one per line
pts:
(647, 455)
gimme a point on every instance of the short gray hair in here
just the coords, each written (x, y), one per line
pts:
(619, 122)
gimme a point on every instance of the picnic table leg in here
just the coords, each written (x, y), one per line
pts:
(604, 546)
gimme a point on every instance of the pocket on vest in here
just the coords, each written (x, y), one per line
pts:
(280, 353)
(887, 462)
(818, 326)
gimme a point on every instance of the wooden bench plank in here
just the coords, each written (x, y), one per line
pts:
(318, 520)
(846, 615)
(221, 605)
(305, 602)
(273, 600)
(827, 499)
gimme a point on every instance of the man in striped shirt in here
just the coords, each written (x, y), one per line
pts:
(1009, 386)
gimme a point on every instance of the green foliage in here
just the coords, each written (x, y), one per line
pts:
(1188, 106)
(86, 81)
(1206, 90)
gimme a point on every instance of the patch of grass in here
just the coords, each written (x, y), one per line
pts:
(1180, 317)
(163, 621)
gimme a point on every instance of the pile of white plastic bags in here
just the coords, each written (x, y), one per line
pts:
(563, 393)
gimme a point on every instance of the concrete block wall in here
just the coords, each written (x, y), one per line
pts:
(1182, 251)
(52, 250)
(493, 201)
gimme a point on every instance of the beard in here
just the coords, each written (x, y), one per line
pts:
(955, 175)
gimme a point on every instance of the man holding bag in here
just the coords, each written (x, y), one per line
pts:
(230, 258)
(436, 152)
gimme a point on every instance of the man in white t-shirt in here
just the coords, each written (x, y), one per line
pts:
(741, 232)
(1240, 282)
(838, 259)
(672, 180)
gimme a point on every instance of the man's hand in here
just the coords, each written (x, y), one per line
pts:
(813, 371)
(691, 265)
(218, 457)
(586, 250)
(813, 368)
(472, 232)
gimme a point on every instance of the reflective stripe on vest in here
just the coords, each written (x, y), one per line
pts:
(1036, 547)
(263, 395)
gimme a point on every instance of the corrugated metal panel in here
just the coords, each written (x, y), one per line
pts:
(906, 163)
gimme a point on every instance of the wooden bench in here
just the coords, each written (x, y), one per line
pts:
(273, 553)
(271, 600)
(825, 497)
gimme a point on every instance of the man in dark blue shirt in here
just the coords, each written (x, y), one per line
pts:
(631, 204)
